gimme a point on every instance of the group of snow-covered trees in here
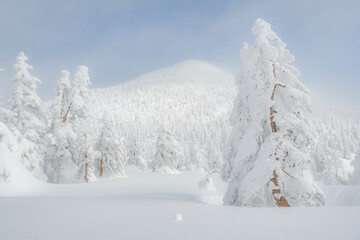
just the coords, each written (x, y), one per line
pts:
(57, 141)
(66, 140)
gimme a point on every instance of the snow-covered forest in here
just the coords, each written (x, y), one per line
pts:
(190, 102)
(253, 140)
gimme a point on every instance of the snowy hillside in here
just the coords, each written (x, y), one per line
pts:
(193, 100)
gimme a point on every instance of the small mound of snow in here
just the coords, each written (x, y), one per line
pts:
(207, 184)
(211, 199)
(177, 217)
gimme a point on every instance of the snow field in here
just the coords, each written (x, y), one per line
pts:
(143, 205)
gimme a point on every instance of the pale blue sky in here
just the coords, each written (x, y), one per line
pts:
(120, 40)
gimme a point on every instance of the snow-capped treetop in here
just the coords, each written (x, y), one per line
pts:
(61, 100)
(80, 95)
(262, 28)
(81, 79)
(64, 81)
(24, 89)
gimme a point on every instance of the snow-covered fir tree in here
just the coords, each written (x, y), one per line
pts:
(197, 157)
(81, 148)
(62, 99)
(63, 163)
(113, 153)
(28, 118)
(25, 103)
(266, 158)
(86, 159)
(80, 95)
(214, 158)
(355, 178)
(137, 153)
(169, 156)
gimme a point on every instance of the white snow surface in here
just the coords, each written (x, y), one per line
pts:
(145, 205)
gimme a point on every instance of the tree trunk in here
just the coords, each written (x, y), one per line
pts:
(66, 114)
(101, 168)
(280, 202)
(86, 172)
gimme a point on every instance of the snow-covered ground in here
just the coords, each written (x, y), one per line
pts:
(146, 205)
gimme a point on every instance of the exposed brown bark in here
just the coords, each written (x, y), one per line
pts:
(275, 86)
(274, 71)
(275, 179)
(86, 172)
(280, 202)
(272, 111)
(287, 173)
(66, 114)
(101, 168)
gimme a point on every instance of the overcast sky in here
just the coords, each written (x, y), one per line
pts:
(120, 40)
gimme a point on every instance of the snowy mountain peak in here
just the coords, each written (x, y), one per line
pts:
(190, 71)
(196, 65)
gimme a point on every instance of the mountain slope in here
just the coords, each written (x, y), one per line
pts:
(193, 100)
(191, 71)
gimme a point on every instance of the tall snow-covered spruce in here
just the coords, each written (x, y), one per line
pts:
(355, 178)
(25, 103)
(169, 156)
(266, 158)
(137, 153)
(63, 162)
(113, 152)
(28, 118)
(82, 150)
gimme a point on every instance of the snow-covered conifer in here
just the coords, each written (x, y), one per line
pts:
(80, 94)
(25, 102)
(81, 147)
(214, 159)
(169, 154)
(266, 159)
(113, 152)
(214, 165)
(63, 162)
(137, 153)
(62, 99)
(85, 158)
(355, 179)
(28, 114)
